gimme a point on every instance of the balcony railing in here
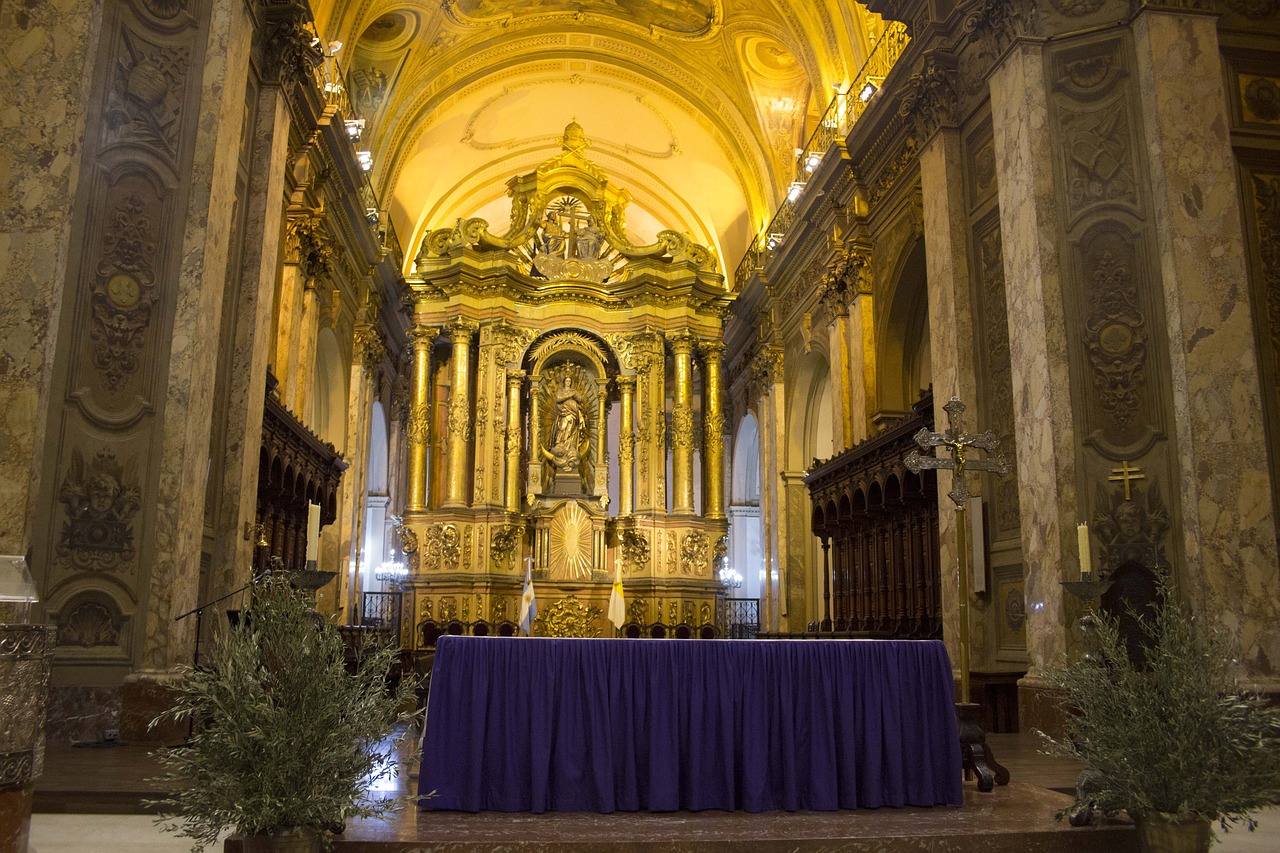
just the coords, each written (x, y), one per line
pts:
(838, 119)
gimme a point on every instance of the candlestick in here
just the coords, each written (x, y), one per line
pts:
(1082, 538)
(313, 535)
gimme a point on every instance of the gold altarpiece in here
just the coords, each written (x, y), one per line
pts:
(523, 345)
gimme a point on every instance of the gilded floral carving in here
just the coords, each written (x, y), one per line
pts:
(693, 553)
(568, 617)
(635, 549)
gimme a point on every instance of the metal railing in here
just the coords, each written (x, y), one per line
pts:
(382, 610)
(838, 119)
(740, 618)
(335, 87)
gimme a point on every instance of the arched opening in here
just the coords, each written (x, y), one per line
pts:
(329, 391)
(375, 549)
(746, 550)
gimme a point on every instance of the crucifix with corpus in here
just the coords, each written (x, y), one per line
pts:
(961, 445)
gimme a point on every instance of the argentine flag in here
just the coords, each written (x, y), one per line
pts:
(528, 602)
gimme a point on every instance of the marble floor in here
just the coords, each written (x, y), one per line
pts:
(88, 802)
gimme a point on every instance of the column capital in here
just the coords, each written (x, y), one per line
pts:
(625, 382)
(461, 327)
(683, 342)
(422, 337)
(515, 377)
(711, 349)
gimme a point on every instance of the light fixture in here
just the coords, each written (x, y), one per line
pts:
(391, 572)
(730, 578)
(332, 87)
(334, 47)
(366, 160)
(794, 191)
(869, 89)
(813, 160)
(372, 216)
(775, 240)
(355, 128)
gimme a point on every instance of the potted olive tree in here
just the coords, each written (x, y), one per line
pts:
(285, 742)
(1169, 734)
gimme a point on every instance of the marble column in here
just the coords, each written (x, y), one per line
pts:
(951, 336)
(41, 153)
(682, 345)
(1227, 531)
(259, 267)
(421, 339)
(771, 411)
(459, 439)
(514, 433)
(602, 440)
(626, 445)
(713, 429)
(1046, 437)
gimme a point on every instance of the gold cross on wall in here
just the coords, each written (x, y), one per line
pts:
(1126, 474)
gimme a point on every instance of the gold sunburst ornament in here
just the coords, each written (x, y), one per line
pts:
(571, 543)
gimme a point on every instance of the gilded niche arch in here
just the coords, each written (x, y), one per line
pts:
(570, 373)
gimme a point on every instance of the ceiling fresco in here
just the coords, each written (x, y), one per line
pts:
(696, 107)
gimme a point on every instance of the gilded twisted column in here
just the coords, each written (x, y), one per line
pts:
(626, 445)
(682, 344)
(459, 440)
(713, 429)
(511, 498)
(418, 427)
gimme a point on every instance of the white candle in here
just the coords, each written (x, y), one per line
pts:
(313, 534)
(1082, 537)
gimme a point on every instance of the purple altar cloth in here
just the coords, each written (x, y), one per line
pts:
(534, 724)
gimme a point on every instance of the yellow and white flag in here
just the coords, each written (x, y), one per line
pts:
(617, 603)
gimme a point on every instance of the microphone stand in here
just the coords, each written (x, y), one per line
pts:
(199, 609)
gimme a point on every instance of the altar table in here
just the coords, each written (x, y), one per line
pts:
(538, 724)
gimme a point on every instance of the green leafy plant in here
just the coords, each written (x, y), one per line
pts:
(283, 737)
(1166, 728)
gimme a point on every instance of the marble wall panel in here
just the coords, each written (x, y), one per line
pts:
(1227, 522)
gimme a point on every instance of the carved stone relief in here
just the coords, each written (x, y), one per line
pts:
(1266, 198)
(1116, 335)
(100, 500)
(1133, 530)
(998, 376)
(1261, 98)
(124, 292)
(91, 623)
(144, 103)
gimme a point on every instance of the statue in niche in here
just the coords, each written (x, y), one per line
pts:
(568, 439)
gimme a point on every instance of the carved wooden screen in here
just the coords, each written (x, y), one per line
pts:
(879, 526)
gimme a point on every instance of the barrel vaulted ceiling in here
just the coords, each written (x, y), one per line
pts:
(694, 106)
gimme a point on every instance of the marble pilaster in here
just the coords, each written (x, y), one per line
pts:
(302, 373)
(232, 558)
(1043, 408)
(183, 446)
(860, 343)
(46, 71)
(1227, 529)
(951, 336)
